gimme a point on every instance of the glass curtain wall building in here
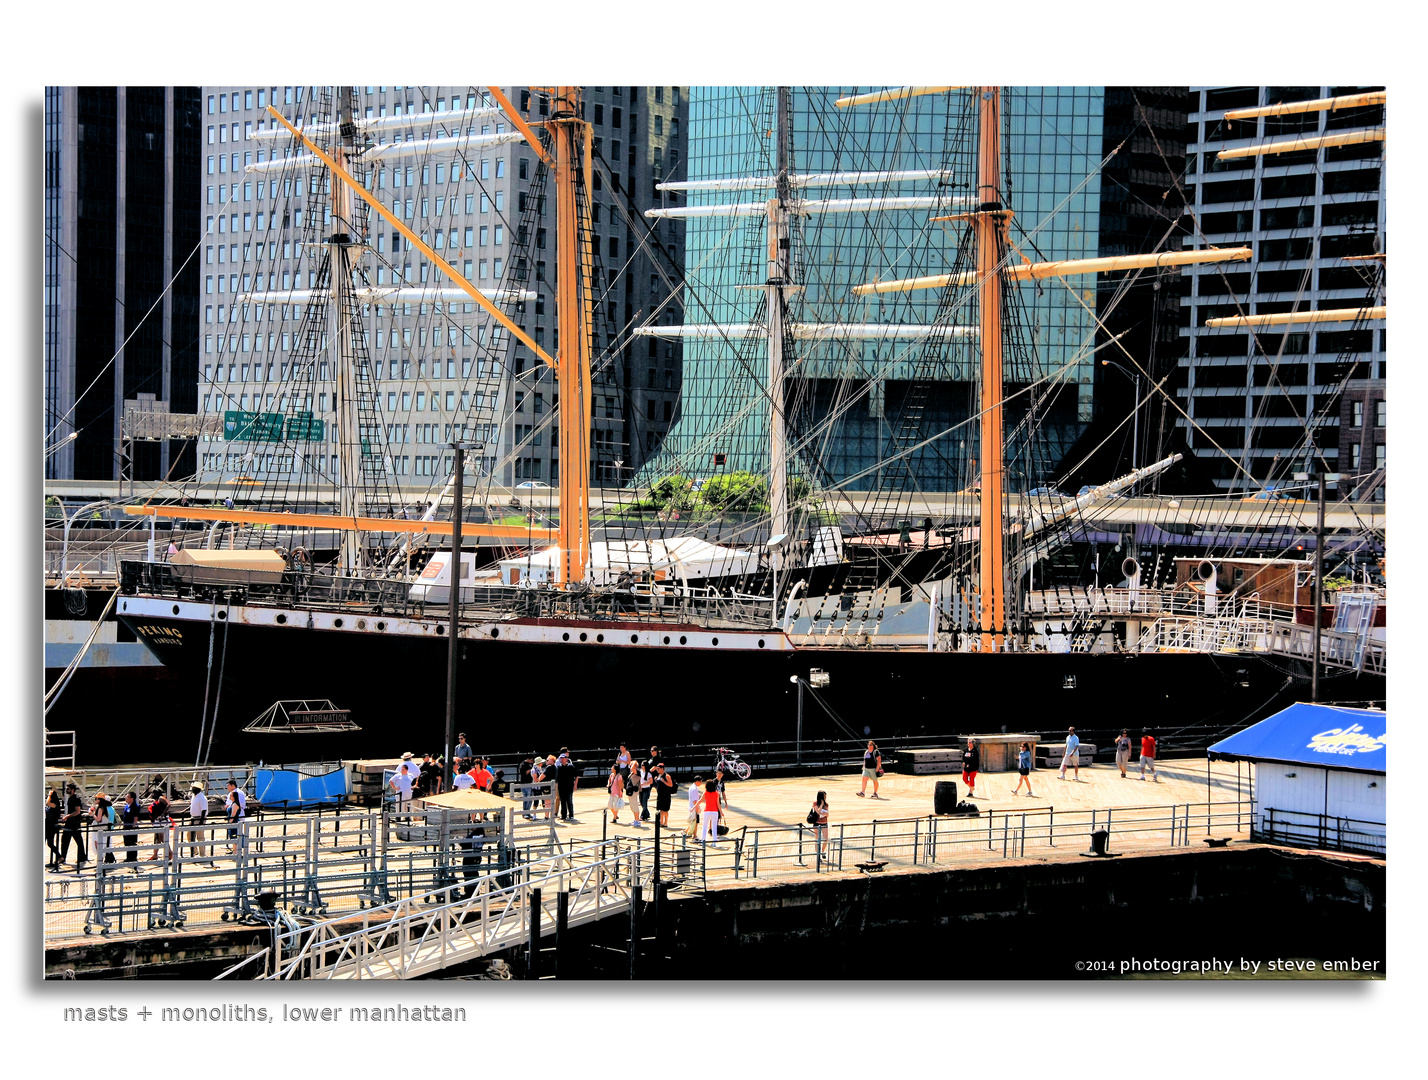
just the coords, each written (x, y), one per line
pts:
(852, 396)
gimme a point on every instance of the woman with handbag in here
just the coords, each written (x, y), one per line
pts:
(818, 819)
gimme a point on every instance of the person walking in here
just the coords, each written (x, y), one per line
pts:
(1073, 754)
(72, 824)
(818, 815)
(615, 785)
(198, 821)
(1122, 751)
(129, 817)
(567, 779)
(710, 815)
(872, 769)
(719, 786)
(1023, 768)
(53, 813)
(664, 787)
(1147, 756)
(622, 762)
(159, 816)
(971, 765)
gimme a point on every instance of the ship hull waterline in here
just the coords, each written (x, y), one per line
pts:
(538, 695)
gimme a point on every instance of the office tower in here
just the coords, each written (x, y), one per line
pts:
(121, 318)
(1267, 404)
(443, 365)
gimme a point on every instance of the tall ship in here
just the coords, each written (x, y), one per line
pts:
(684, 606)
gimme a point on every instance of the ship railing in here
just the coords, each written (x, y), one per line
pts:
(1339, 649)
(1069, 602)
(1325, 831)
(392, 596)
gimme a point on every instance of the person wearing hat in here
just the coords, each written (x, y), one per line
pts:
(567, 779)
(197, 818)
(72, 823)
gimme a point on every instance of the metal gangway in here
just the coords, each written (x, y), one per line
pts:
(1343, 650)
(460, 922)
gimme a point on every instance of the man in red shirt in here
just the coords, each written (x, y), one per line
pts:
(1147, 756)
(482, 775)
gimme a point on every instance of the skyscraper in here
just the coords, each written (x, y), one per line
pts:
(121, 317)
(436, 363)
(863, 393)
(1268, 404)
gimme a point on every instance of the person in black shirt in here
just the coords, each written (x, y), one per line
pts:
(53, 813)
(129, 815)
(971, 762)
(664, 792)
(73, 822)
(649, 765)
(567, 778)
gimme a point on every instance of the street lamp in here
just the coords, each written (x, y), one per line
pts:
(454, 586)
(1135, 422)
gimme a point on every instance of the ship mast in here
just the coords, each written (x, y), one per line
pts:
(779, 248)
(351, 502)
(572, 365)
(989, 219)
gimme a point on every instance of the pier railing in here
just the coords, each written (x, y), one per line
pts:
(1338, 648)
(1326, 831)
(321, 866)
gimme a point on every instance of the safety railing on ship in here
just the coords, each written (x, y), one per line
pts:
(392, 596)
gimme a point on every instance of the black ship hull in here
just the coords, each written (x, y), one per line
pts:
(522, 696)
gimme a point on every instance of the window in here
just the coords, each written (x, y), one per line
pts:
(659, 125)
(1358, 414)
(1380, 414)
(615, 116)
(484, 231)
(210, 105)
(1379, 455)
(485, 203)
(500, 235)
(500, 167)
(524, 168)
(485, 168)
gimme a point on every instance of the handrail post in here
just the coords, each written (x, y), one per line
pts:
(533, 932)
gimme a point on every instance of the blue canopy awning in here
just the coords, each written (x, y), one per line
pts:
(1328, 736)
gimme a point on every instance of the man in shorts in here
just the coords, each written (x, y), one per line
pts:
(872, 769)
(1147, 756)
(1073, 754)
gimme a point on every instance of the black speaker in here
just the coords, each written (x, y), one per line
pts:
(944, 797)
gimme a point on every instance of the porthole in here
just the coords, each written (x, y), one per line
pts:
(175, 609)
(361, 624)
(124, 606)
(440, 629)
(381, 625)
(634, 639)
(716, 641)
(565, 636)
(495, 631)
(337, 623)
(282, 619)
(599, 637)
(761, 643)
(582, 636)
(222, 615)
(666, 640)
(684, 641)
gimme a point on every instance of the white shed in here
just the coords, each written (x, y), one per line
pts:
(1320, 776)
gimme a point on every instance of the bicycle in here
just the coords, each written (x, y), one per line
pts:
(729, 761)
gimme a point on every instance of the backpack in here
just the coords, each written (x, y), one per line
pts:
(673, 785)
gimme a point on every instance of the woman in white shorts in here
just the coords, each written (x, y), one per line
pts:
(616, 786)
